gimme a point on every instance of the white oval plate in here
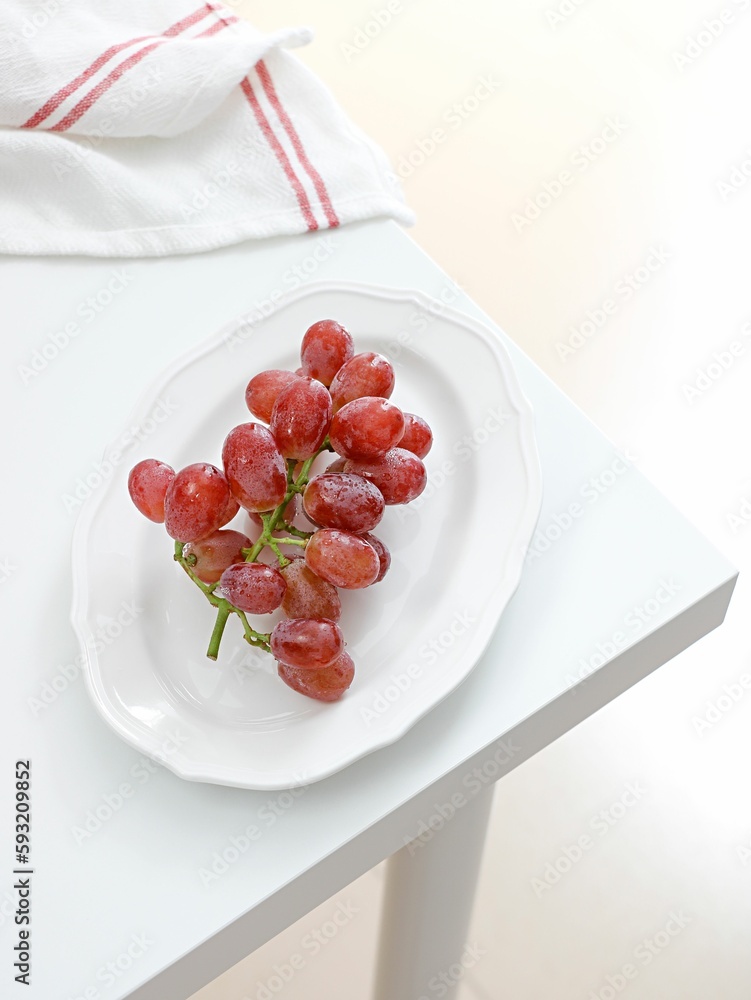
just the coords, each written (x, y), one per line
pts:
(457, 553)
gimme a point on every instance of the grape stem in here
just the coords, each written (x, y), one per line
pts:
(272, 521)
(222, 616)
(224, 609)
(295, 532)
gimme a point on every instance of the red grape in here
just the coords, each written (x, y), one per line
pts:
(147, 484)
(215, 553)
(325, 348)
(196, 501)
(263, 389)
(254, 467)
(399, 475)
(253, 587)
(307, 595)
(307, 642)
(301, 417)
(327, 684)
(384, 556)
(342, 558)
(378, 462)
(418, 437)
(232, 508)
(366, 428)
(340, 500)
(365, 374)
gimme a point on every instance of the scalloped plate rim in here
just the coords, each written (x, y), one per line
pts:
(388, 734)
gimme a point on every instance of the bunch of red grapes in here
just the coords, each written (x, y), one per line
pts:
(337, 401)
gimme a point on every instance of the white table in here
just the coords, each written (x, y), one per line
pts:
(122, 910)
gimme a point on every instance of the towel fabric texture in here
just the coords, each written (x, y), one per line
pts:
(167, 126)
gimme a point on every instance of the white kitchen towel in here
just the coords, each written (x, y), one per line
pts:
(152, 127)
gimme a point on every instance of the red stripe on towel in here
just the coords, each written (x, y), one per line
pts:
(102, 87)
(296, 141)
(281, 156)
(70, 88)
(218, 27)
(189, 21)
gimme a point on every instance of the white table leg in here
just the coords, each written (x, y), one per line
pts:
(429, 893)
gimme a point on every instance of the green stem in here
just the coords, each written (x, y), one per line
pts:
(260, 639)
(281, 558)
(222, 615)
(296, 532)
(262, 542)
(224, 609)
(272, 521)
